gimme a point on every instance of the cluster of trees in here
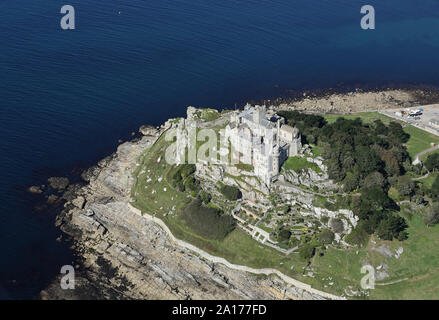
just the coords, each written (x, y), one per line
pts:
(204, 196)
(283, 235)
(377, 215)
(336, 225)
(326, 236)
(356, 154)
(184, 180)
(230, 192)
(307, 251)
(368, 158)
(207, 221)
(364, 155)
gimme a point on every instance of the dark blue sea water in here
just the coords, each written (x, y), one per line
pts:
(66, 97)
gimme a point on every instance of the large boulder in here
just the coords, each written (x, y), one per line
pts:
(35, 190)
(58, 183)
(149, 131)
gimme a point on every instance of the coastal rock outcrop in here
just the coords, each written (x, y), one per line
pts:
(58, 183)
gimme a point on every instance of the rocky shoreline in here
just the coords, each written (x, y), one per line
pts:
(358, 100)
(124, 256)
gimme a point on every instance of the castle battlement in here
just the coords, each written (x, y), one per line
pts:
(262, 142)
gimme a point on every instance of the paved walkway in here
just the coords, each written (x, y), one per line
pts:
(214, 259)
(421, 178)
(423, 153)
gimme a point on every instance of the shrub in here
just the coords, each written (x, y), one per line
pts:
(204, 196)
(283, 235)
(358, 236)
(375, 179)
(178, 178)
(434, 190)
(191, 184)
(207, 221)
(230, 192)
(307, 251)
(405, 186)
(432, 162)
(326, 236)
(337, 225)
(390, 227)
(431, 216)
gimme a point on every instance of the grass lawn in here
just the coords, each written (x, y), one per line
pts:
(419, 140)
(297, 164)
(367, 117)
(152, 192)
(427, 182)
(316, 151)
(245, 167)
(209, 114)
(419, 263)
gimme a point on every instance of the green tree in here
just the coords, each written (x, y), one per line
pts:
(431, 216)
(283, 235)
(405, 186)
(375, 199)
(374, 179)
(432, 162)
(358, 236)
(380, 128)
(397, 133)
(230, 192)
(367, 161)
(434, 191)
(326, 236)
(351, 182)
(207, 221)
(337, 225)
(205, 196)
(392, 166)
(307, 251)
(391, 227)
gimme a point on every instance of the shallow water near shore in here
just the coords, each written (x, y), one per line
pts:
(68, 96)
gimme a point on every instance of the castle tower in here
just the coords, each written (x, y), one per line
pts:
(258, 114)
(276, 160)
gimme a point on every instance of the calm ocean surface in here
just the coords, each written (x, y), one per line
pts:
(66, 97)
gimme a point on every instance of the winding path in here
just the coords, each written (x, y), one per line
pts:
(423, 153)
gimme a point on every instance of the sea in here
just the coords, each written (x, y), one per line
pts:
(68, 96)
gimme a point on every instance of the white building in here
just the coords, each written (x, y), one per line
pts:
(263, 143)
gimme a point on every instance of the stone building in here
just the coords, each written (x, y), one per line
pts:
(262, 141)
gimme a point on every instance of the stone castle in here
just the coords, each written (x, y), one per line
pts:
(262, 140)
